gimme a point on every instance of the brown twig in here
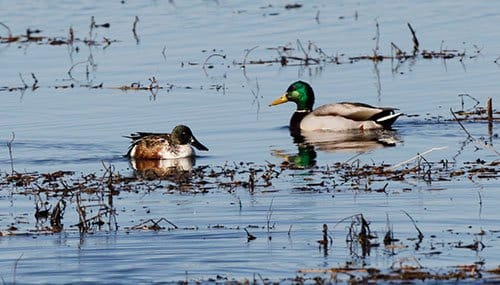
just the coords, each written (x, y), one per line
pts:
(489, 111)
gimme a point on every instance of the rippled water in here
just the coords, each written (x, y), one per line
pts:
(227, 108)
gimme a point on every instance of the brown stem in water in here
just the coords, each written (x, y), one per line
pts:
(489, 110)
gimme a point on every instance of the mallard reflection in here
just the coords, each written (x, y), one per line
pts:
(305, 157)
(352, 140)
(345, 141)
(162, 168)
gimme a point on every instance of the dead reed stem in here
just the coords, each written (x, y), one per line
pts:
(15, 268)
(415, 40)
(8, 29)
(419, 155)
(9, 146)
(489, 110)
(269, 215)
(136, 20)
(469, 136)
(420, 234)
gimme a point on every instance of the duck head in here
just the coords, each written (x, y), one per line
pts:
(182, 134)
(299, 92)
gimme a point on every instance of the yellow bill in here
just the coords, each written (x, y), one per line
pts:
(280, 100)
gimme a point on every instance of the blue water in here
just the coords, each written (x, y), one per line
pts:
(80, 128)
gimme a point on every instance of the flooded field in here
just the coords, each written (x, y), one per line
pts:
(415, 203)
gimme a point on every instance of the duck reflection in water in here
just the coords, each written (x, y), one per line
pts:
(344, 141)
(170, 169)
(305, 157)
(352, 140)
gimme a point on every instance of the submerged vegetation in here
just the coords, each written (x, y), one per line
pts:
(64, 201)
(91, 195)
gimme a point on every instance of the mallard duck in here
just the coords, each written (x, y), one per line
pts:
(164, 146)
(333, 117)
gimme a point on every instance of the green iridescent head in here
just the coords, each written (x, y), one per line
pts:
(299, 92)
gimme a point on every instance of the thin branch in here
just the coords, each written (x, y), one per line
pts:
(248, 51)
(377, 36)
(73, 66)
(34, 86)
(415, 40)
(469, 136)
(419, 155)
(15, 268)
(497, 60)
(136, 20)
(299, 45)
(250, 237)
(8, 29)
(163, 52)
(172, 224)
(209, 57)
(9, 146)
(269, 214)
(22, 80)
(91, 28)
(420, 234)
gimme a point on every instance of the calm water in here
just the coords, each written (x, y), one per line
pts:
(80, 128)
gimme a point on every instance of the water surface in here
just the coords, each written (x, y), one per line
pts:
(81, 128)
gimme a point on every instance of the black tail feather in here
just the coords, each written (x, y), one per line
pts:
(387, 121)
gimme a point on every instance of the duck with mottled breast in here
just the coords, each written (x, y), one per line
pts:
(163, 145)
(333, 117)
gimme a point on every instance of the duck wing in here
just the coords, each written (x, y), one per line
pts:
(354, 111)
(140, 135)
(147, 139)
